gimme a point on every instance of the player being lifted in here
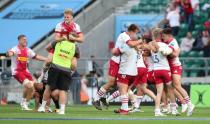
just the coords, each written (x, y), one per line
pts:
(65, 30)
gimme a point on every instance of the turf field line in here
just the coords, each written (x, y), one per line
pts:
(155, 118)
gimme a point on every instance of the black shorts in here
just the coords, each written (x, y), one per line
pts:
(58, 79)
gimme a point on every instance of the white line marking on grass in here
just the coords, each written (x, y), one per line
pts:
(170, 118)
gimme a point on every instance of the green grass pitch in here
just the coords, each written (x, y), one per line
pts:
(11, 114)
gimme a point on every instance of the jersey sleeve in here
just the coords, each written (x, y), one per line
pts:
(168, 16)
(174, 45)
(77, 29)
(31, 53)
(58, 28)
(122, 39)
(14, 50)
(126, 38)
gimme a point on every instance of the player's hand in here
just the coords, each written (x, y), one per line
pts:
(64, 37)
(165, 51)
(48, 60)
(2, 57)
(71, 37)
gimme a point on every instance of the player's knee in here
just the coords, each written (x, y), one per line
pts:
(55, 93)
(28, 84)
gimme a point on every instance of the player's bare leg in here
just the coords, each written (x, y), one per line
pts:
(177, 84)
(62, 101)
(159, 88)
(165, 107)
(170, 92)
(181, 99)
(145, 90)
(46, 97)
(28, 90)
(55, 97)
(123, 88)
(37, 96)
(139, 97)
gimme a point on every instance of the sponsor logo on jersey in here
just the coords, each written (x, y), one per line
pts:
(23, 59)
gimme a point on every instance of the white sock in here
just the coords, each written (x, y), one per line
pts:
(100, 93)
(43, 103)
(124, 100)
(23, 100)
(157, 110)
(188, 101)
(62, 107)
(113, 96)
(138, 100)
(173, 106)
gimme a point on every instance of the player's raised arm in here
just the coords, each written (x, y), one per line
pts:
(40, 58)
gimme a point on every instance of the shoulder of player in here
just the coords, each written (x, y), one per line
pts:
(173, 42)
(124, 35)
(76, 24)
(29, 49)
(59, 24)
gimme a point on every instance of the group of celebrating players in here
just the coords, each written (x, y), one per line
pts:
(136, 62)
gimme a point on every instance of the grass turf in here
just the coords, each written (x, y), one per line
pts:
(89, 115)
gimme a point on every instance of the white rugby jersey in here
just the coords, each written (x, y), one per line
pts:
(128, 61)
(140, 61)
(174, 61)
(160, 61)
(122, 39)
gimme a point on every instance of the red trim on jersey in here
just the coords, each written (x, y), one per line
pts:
(79, 32)
(171, 47)
(169, 41)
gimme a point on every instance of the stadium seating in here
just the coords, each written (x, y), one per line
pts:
(147, 6)
(158, 6)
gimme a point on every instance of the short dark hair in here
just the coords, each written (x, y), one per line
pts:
(147, 38)
(133, 27)
(21, 36)
(167, 31)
